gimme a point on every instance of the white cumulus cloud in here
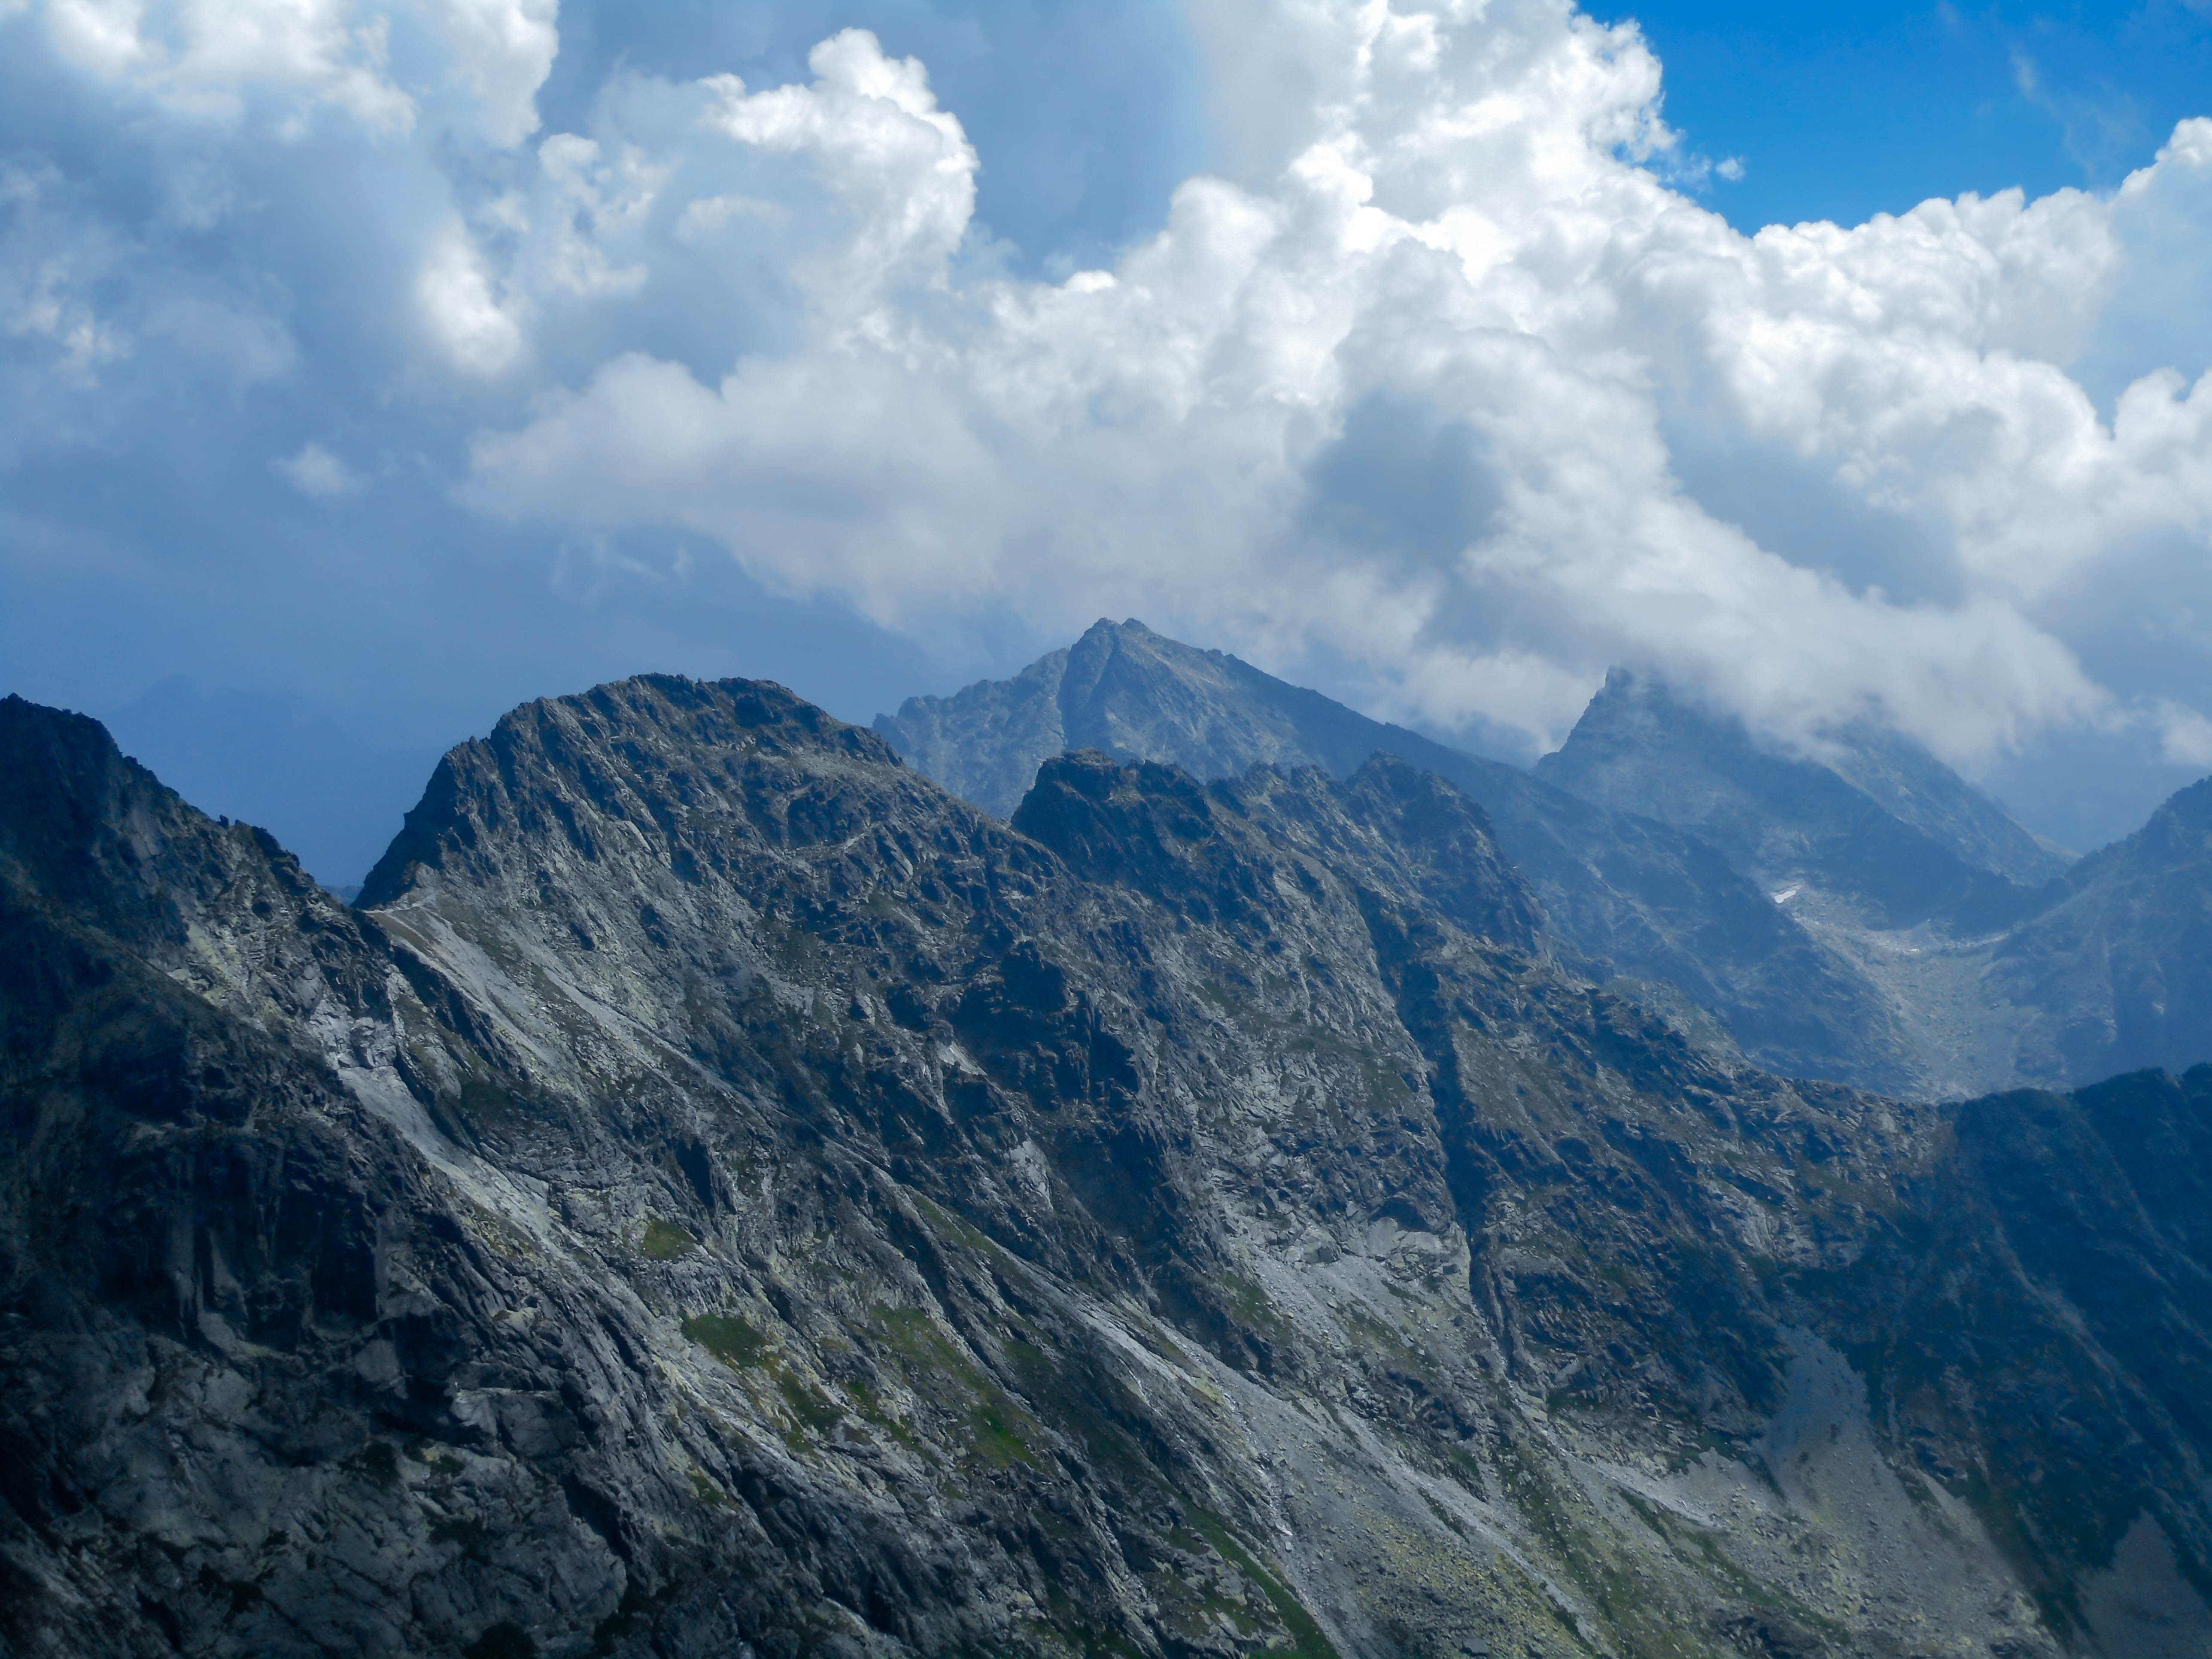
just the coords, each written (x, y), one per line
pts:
(1408, 389)
(1440, 374)
(210, 59)
(478, 331)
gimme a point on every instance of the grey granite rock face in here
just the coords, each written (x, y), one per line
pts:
(727, 1195)
(1637, 898)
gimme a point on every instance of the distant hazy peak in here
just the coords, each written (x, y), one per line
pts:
(1643, 747)
(1920, 789)
(986, 741)
(1134, 695)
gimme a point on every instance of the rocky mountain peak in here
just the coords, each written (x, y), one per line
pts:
(1866, 816)
(1131, 694)
(88, 833)
(634, 752)
(1142, 826)
(83, 823)
(2188, 812)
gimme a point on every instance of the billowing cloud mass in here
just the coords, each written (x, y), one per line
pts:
(1445, 375)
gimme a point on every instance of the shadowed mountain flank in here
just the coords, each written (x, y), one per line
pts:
(1874, 820)
(2116, 971)
(1899, 866)
(727, 1194)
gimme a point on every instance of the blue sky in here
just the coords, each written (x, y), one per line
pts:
(364, 380)
(1843, 112)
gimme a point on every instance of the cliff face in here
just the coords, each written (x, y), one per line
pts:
(723, 1194)
(1631, 896)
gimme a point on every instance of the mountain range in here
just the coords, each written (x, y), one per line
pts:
(1855, 910)
(1628, 892)
(1169, 1168)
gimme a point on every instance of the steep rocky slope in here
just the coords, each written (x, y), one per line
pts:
(724, 1194)
(2115, 972)
(1638, 899)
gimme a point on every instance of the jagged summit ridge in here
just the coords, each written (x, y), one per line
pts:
(1155, 828)
(666, 723)
(1863, 913)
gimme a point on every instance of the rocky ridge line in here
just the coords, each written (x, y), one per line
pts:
(727, 1194)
